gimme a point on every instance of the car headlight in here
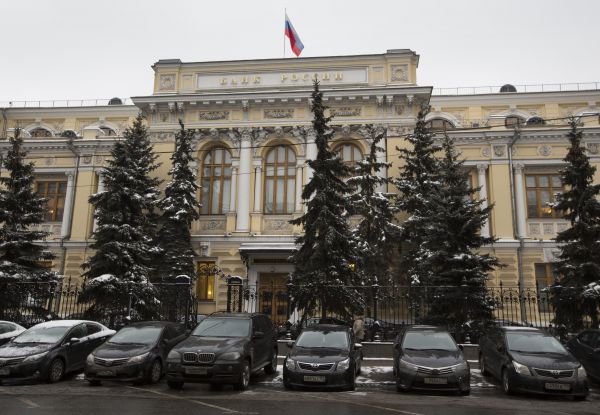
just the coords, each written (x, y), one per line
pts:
(290, 364)
(34, 357)
(139, 358)
(230, 356)
(174, 355)
(404, 364)
(343, 365)
(581, 373)
(521, 369)
(90, 359)
(464, 366)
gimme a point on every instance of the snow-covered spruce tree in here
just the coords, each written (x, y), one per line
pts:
(179, 209)
(418, 179)
(125, 228)
(20, 248)
(577, 293)
(325, 261)
(376, 234)
(449, 252)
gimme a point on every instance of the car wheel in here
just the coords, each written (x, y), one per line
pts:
(507, 386)
(174, 384)
(155, 372)
(287, 385)
(244, 377)
(398, 387)
(94, 382)
(352, 382)
(465, 392)
(271, 368)
(482, 367)
(56, 370)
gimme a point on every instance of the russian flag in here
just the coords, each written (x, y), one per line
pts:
(295, 41)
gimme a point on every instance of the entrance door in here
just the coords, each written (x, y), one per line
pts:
(272, 296)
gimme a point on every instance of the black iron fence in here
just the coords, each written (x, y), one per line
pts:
(31, 303)
(390, 308)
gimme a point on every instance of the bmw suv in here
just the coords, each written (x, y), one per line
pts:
(225, 348)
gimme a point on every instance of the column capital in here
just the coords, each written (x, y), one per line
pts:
(518, 167)
(482, 167)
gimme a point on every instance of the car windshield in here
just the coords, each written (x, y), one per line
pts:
(222, 327)
(329, 339)
(534, 343)
(49, 335)
(137, 335)
(429, 340)
(6, 328)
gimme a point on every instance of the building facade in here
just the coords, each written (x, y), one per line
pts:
(253, 137)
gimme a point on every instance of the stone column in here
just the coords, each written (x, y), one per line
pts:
(483, 196)
(311, 151)
(100, 189)
(257, 187)
(65, 229)
(520, 201)
(299, 186)
(242, 223)
(233, 189)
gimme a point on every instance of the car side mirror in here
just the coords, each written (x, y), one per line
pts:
(258, 335)
(290, 344)
(74, 340)
(461, 347)
(357, 346)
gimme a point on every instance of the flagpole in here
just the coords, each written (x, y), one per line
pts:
(284, 15)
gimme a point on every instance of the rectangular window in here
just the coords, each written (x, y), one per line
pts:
(541, 192)
(55, 192)
(205, 286)
(545, 275)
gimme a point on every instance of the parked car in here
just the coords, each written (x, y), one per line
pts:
(324, 355)
(586, 348)
(9, 330)
(224, 348)
(49, 350)
(526, 359)
(428, 358)
(136, 353)
(297, 327)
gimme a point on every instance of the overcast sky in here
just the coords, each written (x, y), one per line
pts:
(73, 49)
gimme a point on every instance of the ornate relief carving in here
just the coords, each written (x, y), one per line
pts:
(213, 115)
(279, 113)
(87, 159)
(545, 150)
(548, 228)
(534, 229)
(399, 109)
(164, 117)
(49, 161)
(345, 112)
(593, 148)
(167, 82)
(98, 159)
(161, 136)
(399, 73)
(277, 225)
(561, 226)
(485, 152)
(499, 151)
(212, 225)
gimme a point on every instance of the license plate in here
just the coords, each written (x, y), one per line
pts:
(196, 370)
(106, 373)
(320, 379)
(5, 371)
(435, 381)
(557, 386)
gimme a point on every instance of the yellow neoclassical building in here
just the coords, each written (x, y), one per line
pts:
(253, 137)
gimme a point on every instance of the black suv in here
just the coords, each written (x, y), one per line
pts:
(224, 348)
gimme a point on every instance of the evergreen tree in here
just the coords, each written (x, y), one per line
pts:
(418, 179)
(448, 254)
(179, 209)
(325, 261)
(575, 295)
(120, 266)
(20, 250)
(376, 234)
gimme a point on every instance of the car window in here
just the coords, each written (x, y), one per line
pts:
(428, 340)
(223, 327)
(92, 328)
(6, 328)
(323, 339)
(595, 341)
(533, 343)
(78, 332)
(46, 335)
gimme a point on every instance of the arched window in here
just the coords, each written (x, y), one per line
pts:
(40, 133)
(440, 124)
(349, 153)
(216, 181)
(280, 180)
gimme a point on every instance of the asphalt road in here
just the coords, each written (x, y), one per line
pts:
(74, 396)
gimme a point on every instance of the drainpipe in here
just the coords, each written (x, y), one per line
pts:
(73, 150)
(516, 136)
(4, 123)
